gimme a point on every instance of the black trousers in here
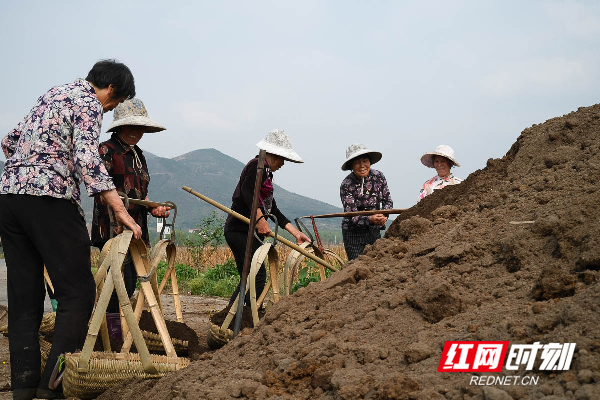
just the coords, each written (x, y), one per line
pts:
(38, 231)
(356, 240)
(130, 279)
(237, 243)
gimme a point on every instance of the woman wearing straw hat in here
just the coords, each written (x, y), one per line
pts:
(362, 190)
(48, 155)
(278, 149)
(442, 159)
(126, 164)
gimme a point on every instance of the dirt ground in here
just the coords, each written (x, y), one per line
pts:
(511, 254)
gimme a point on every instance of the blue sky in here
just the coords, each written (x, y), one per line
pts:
(399, 76)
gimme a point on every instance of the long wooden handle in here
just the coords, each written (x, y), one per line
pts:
(358, 213)
(146, 203)
(247, 220)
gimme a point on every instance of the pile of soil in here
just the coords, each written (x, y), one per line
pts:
(467, 263)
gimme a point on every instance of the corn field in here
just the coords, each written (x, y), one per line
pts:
(209, 257)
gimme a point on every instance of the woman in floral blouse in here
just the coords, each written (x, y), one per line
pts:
(363, 189)
(442, 159)
(48, 155)
(126, 164)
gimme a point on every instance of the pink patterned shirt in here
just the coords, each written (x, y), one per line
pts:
(55, 147)
(437, 182)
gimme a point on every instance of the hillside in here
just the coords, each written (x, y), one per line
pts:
(215, 175)
(511, 254)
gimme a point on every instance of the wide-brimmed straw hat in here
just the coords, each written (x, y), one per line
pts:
(133, 112)
(441, 150)
(278, 142)
(357, 149)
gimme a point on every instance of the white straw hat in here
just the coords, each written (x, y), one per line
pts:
(357, 149)
(278, 142)
(441, 150)
(133, 112)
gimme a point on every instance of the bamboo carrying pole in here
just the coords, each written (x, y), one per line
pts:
(260, 167)
(359, 213)
(146, 203)
(271, 234)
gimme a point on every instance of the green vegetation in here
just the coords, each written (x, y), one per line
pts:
(218, 281)
(209, 236)
(309, 274)
(184, 273)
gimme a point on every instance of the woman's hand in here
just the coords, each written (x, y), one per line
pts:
(121, 215)
(262, 226)
(301, 238)
(160, 211)
(378, 219)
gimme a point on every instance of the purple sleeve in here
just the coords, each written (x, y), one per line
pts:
(386, 199)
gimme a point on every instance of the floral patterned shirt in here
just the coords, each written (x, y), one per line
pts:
(437, 182)
(363, 194)
(56, 146)
(129, 171)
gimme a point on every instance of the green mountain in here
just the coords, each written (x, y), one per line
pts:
(215, 175)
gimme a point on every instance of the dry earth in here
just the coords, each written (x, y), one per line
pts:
(452, 268)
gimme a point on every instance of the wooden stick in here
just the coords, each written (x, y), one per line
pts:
(149, 293)
(271, 234)
(260, 167)
(48, 281)
(171, 254)
(146, 203)
(359, 213)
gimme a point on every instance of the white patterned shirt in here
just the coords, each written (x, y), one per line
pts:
(438, 182)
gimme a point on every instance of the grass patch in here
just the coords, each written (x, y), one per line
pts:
(220, 280)
(185, 274)
(309, 274)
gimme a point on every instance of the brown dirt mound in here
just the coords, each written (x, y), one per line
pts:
(453, 267)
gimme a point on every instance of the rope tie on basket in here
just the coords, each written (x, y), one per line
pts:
(319, 243)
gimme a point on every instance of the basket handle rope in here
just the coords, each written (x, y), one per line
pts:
(114, 280)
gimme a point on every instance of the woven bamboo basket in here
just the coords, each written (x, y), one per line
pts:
(45, 350)
(87, 374)
(110, 369)
(219, 336)
(154, 343)
(48, 321)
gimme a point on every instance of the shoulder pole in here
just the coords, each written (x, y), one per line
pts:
(248, 256)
